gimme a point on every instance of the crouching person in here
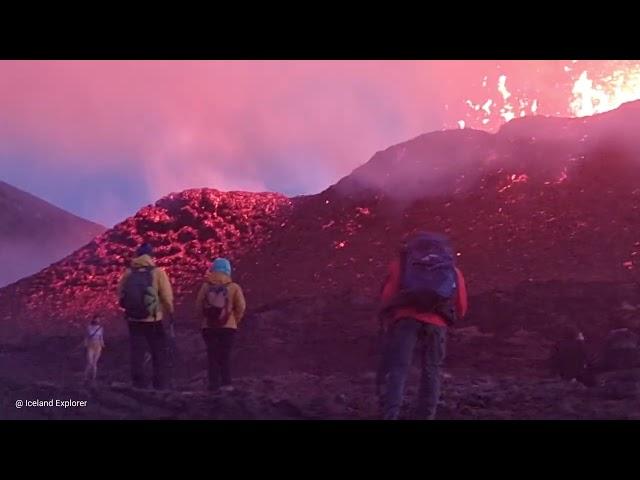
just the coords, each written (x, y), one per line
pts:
(221, 304)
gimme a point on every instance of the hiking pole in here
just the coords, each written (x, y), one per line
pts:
(172, 331)
(172, 343)
(382, 367)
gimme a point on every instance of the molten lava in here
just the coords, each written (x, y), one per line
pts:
(609, 92)
(597, 89)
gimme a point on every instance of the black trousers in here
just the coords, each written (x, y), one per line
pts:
(219, 342)
(148, 337)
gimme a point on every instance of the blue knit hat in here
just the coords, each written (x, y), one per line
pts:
(221, 265)
(144, 249)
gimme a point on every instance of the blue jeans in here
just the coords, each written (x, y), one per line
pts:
(396, 362)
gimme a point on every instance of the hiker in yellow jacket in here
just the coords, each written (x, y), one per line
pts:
(145, 294)
(221, 304)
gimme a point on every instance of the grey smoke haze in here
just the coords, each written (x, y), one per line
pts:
(102, 139)
(452, 162)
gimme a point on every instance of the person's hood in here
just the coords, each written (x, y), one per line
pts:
(142, 261)
(217, 278)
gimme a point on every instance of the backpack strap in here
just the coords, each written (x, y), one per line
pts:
(150, 269)
(144, 267)
(216, 285)
(226, 287)
(95, 332)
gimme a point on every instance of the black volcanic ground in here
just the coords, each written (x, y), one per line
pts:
(543, 215)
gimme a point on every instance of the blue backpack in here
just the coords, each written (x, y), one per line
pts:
(428, 280)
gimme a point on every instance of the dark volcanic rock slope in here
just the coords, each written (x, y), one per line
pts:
(186, 230)
(545, 199)
(34, 233)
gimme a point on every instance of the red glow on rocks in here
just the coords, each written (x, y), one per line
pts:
(329, 224)
(563, 176)
(514, 179)
(569, 231)
(519, 178)
(186, 231)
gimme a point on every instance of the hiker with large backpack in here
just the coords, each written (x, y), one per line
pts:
(145, 295)
(424, 294)
(221, 304)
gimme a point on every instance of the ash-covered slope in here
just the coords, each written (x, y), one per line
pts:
(544, 199)
(34, 233)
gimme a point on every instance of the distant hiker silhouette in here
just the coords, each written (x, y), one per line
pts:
(221, 305)
(569, 359)
(145, 295)
(424, 293)
(94, 343)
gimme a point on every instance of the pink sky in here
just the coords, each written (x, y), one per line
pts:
(137, 130)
